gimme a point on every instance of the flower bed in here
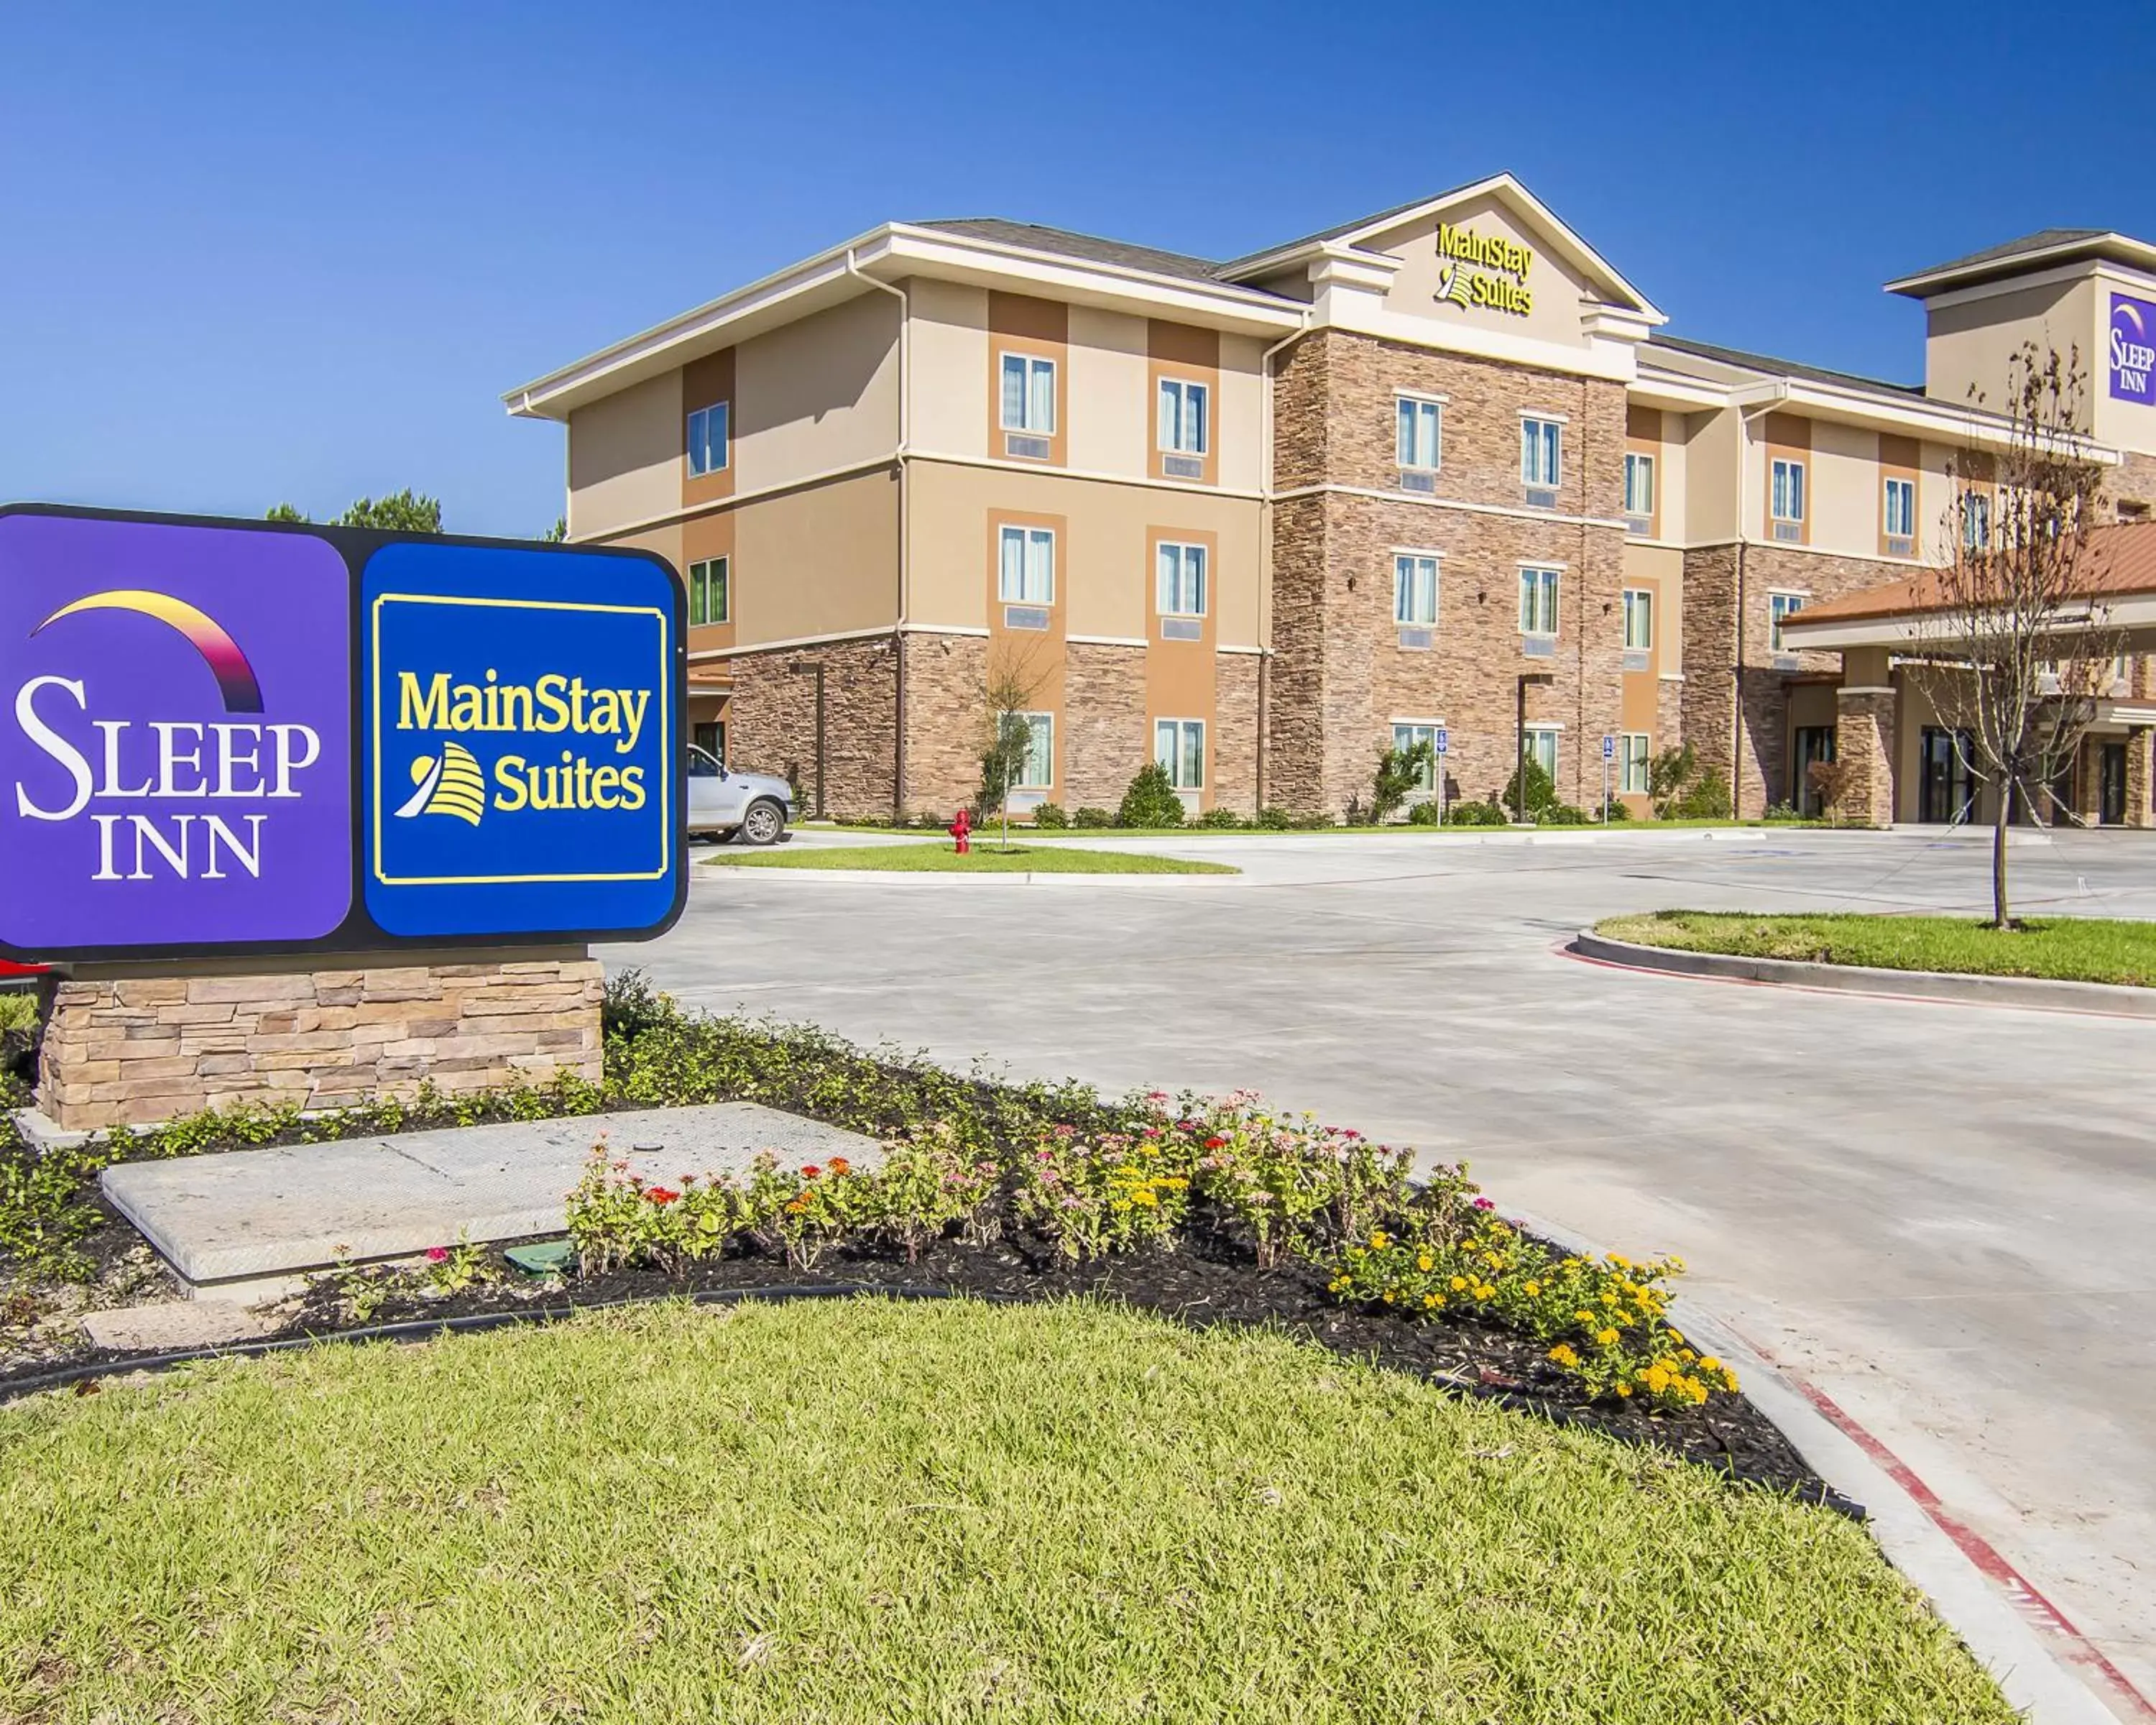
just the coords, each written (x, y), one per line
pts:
(1210, 1210)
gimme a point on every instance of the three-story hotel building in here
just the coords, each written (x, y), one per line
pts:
(1258, 519)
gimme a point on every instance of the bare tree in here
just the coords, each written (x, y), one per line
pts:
(2018, 646)
(1013, 679)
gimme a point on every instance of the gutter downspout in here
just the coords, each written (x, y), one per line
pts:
(1266, 489)
(902, 458)
(1744, 418)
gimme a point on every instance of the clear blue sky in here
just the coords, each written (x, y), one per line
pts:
(254, 253)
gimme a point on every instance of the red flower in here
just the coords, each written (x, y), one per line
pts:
(438, 1255)
(661, 1196)
(1216, 1142)
(810, 1172)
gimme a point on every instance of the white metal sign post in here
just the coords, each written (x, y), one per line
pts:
(1440, 742)
(1609, 754)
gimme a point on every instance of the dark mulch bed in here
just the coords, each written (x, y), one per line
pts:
(1204, 1281)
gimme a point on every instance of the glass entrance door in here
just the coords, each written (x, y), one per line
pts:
(1814, 746)
(1946, 789)
(2110, 784)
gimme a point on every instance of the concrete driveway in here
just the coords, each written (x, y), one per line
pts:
(1943, 1216)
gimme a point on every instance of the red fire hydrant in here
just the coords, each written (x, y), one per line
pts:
(962, 830)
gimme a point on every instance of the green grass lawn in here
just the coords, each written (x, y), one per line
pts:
(986, 858)
(1396, 829)
(2073, 948)
(870, 1512)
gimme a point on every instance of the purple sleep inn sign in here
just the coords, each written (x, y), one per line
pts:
(175, 736)
(2131, 350)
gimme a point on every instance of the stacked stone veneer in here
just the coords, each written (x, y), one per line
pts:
(127, 1049)
(1341, 677)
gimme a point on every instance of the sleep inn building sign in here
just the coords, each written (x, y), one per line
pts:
(1259, 519)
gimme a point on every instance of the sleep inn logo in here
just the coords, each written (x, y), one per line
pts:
(2131, 350)
(174, 735)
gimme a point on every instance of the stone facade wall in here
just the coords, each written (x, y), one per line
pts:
(1713, 675)
(1864, 742)
(1342, 677)
(1104, 723)
(2132, 483)
(771, 722)
(946, 729)
(127, 1049)
(1237, 676)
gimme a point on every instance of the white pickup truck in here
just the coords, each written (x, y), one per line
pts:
(723, 803)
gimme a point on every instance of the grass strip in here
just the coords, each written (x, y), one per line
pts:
(2080, 949)
(868, 1511)
(984, 859)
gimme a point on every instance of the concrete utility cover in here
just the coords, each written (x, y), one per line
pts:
(247, 1215)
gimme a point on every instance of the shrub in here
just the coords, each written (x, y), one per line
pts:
(1706, 798)
(1540, 790)
(1683, 790)
(1565, 815)
(1425, 814)
(631, 1005)
(1828, 780)
(1605, 1319)
(1615, 809)
(1049, 817)
(1781, 811)
(1478, 814)
(1151, 801)
(927, 1186)
(1289, 1181)
(1273, 820)
(18, 1010)
(1092, 1197)
(1400, 772)
(1093, 818)
(1222, 820)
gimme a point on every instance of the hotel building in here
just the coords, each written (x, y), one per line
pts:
(1260, 519)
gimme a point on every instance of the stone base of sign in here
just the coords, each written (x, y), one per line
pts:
(126, 1044)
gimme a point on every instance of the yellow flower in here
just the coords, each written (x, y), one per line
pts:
(1426, 1262)
(1379, 1241)
(1533, 1289)
(1678, 1337)
(1486, 1292)
(1606, 1337)
(1608, 1299)
(1585, 1318)
(1458, 1283)
(1708, 1363)
(1389, 1297)
(1624, 1388)
(1729, 1377)
(1430, 1300)
(1687, 1355)
(1564, 1355)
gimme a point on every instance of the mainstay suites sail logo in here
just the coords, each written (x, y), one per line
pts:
(174, 746)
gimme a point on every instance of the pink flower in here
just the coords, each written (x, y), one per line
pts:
(438, 1255)
(1485, 1204)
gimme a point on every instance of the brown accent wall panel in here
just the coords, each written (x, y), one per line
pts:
(704, 382)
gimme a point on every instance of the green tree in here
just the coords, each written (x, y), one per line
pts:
(286, 512)
(405, 511)
(557, 533)
(1530, 794)
(1400, 772)
(1151, 801)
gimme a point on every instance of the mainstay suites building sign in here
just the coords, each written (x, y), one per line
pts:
(219, 736)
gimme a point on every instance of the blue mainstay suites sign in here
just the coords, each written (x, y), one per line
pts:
(520, 731)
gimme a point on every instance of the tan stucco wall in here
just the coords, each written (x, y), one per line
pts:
(817, 395)
(1846, 494)
(1711, 458)
(1559, 295)
(1239, 421)
(1661, 568)
(817, 561)
(1971, 343)
(625, 457)
(1673, 472)
(947, 350)
(1106, 396)
(1104, 555)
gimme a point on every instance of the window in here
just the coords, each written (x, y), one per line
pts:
(710, 738)
(1787, 500)
(1038, 771)
(1975, 521)
(1406, 735)
(1179, 745)
(1539, 746)
(1899, 510)
(1421, 434)
(1414, 590)
(1183, 417)
(707, 439)
(1542, 453)
(1780, 608)
(1182, 580)
(1632, 756)
(1538, 602)
(1026, 571)
(1029, 394)
(1639, 619)
(1639, 491)
(707, 592)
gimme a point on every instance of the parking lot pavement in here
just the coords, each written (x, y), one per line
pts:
(1944, 1216)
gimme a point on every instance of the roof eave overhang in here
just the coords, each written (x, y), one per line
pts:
(2116, 248)
(888, 253)
(2132, 615)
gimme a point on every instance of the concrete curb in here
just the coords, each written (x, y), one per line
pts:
(902, 877)
(2108, 999)
(2008, 1645)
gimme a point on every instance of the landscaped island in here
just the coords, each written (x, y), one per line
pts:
(866, 1512)
(2082, 949)
(985, 858)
